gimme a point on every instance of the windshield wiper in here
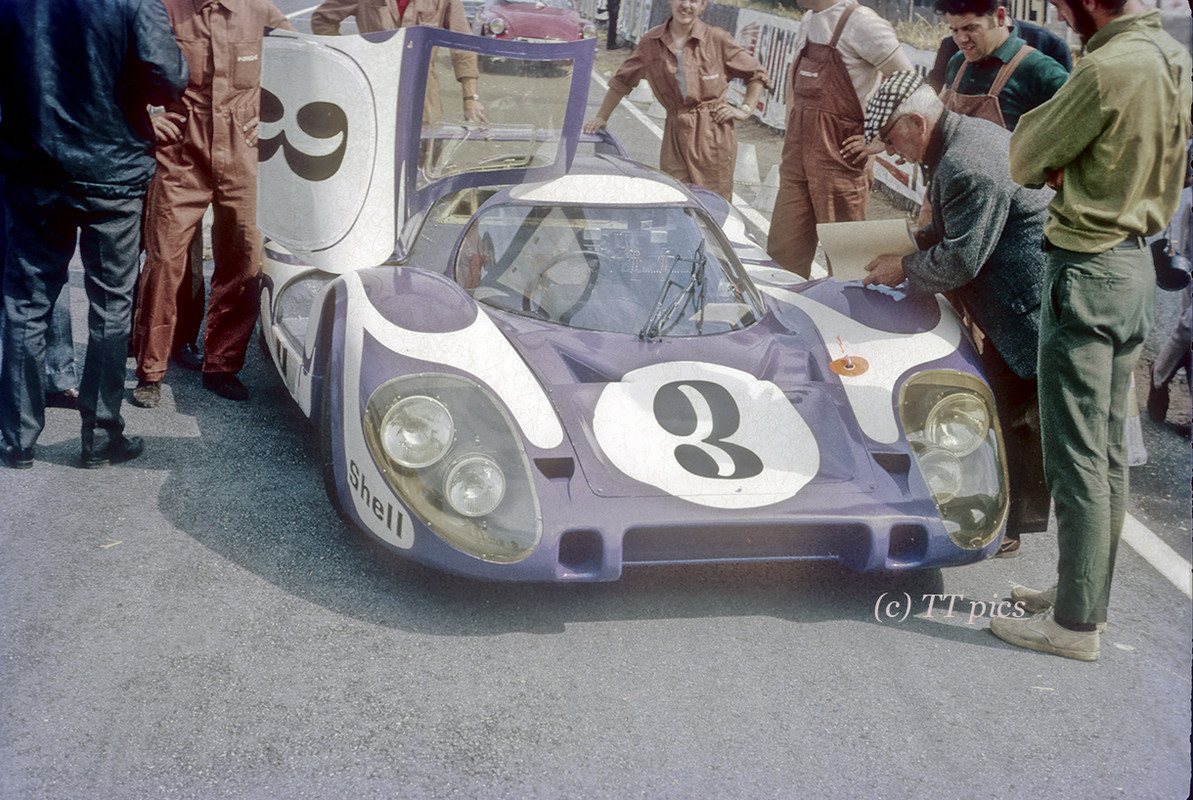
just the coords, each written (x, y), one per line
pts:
(690, 293)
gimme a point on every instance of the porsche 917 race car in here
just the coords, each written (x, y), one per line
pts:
(531, 358)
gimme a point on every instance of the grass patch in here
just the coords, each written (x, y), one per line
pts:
(922, 33)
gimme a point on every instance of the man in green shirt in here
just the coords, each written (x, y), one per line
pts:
(1112, 143)
(995, 75)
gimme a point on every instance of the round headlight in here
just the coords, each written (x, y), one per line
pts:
(417, 431)
(942, 473)
(497, 26)
(589, 31)
(474, 485)
(959, 423)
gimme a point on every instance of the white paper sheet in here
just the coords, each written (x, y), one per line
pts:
(850, 246)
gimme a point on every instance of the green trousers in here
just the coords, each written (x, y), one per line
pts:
(1097, 310)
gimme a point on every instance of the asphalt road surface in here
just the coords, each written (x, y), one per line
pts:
(198, 623)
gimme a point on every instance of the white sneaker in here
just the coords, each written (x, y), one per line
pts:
(1041, 632)
(1034, 601)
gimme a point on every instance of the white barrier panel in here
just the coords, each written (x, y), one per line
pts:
(771, 40)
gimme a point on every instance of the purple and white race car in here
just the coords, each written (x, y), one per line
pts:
(531, 358)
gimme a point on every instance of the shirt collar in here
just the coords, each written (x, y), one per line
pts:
(1007, 50)
(231, 5)
(699, 31)
(1120, 24)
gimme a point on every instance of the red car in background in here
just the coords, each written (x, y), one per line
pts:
(532, 21)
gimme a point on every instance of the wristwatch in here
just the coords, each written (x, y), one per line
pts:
(746, 108)
(474, 97)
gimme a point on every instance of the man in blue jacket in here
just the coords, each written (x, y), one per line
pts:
(76, 148)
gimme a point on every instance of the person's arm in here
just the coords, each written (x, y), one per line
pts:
(278, 20)
(168, 126)
(464, 64)
(1053, 134)
(627, 77)
(740, 64)
(612, 98)
(854, 149)
(163, 70)
(971, 219)
(1047, 76)
(896, 62)
(326, 19)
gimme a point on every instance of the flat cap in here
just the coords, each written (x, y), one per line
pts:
(897, 87)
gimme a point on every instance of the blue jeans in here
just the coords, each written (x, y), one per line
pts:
(1097, 308)
(42, 225)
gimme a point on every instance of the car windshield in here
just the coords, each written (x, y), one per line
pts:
(648, 271)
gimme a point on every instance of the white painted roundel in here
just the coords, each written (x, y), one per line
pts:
(705, 433)
(317, 144)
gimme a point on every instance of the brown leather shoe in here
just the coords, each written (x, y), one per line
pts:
(148, 394)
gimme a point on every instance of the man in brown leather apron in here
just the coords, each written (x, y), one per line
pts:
(826, 170)
(996, 75)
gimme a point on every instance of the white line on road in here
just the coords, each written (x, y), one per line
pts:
(1147, 544)
(1155, 552)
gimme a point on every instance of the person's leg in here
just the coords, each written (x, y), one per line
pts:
(1089, 337)
(791, 242)
(612, 7)
(61, 374)
(40, 241)
(1173, 356)
(235, 290)
(191, 303)
(1134, 293)
(109, 245)
(1019, 416)
(171, 214)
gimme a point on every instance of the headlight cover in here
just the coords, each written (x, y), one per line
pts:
(496, 26)
(294, 304)
(950, 422)
(454, 456)
(417, 431)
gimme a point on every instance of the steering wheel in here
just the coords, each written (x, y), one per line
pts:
(543, 285)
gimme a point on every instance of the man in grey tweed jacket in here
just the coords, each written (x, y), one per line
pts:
(982, 248)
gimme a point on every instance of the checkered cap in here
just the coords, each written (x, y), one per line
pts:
(897, 87)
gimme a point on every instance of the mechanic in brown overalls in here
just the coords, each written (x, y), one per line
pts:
(689, 64)
(387, 15)
(207, 155)
(826, 169)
